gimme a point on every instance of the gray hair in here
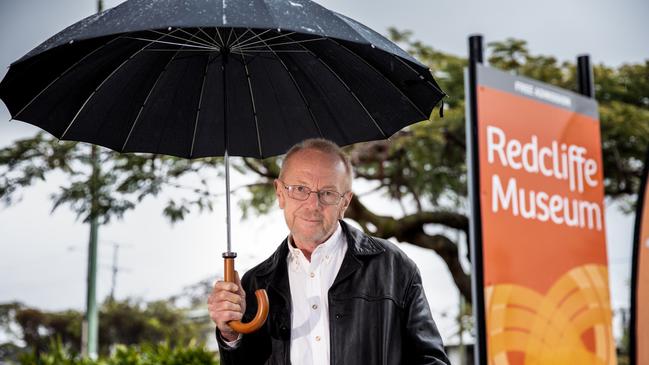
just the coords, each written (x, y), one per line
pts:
(325, 146)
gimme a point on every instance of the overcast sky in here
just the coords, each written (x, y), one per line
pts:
(42, 256)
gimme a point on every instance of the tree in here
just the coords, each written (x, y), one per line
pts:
(103, 185)
(121, 182)
(422, 168)
(100, 185)
(127, 322)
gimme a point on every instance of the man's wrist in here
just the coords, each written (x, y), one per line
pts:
(233, 344)
(226, 336)
(229, 336)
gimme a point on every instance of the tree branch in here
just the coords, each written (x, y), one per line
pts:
(411, 229)
(448, 251)
(270, 169)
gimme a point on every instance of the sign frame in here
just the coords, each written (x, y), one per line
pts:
(586, 88)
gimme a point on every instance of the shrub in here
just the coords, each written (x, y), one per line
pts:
(148, 354)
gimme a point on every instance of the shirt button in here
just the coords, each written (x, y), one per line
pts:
(317, 338)
(315, 306)
(312, 275)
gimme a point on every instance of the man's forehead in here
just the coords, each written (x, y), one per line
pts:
(305, 175)
(309, 170)
(310, 164)
(315, 159)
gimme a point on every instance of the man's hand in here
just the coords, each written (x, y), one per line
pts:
(227, 303)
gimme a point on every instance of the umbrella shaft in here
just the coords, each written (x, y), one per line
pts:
(227, 196)
(224, 61)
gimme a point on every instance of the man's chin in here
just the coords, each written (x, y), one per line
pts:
(310, 237)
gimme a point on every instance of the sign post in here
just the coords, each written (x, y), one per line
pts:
(639, 335)
(475, 223)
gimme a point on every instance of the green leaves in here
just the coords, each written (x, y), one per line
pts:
(146, 333)
(176, 211)
(511, 54)
(161, 354)
(146, 354)
(261, 200)
(119, 183)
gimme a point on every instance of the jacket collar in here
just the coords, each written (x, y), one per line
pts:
(360, 244)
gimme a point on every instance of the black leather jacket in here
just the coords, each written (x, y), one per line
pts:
(378, 313)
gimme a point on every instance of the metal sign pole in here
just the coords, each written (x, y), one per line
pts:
(475, 226)
(635, 266)
(585, 81)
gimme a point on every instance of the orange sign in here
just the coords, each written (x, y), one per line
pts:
(640, 315)
(546, 293)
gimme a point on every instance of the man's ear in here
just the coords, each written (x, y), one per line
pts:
(347, 199)
(278, 193)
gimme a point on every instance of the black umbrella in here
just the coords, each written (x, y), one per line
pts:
(217, 78)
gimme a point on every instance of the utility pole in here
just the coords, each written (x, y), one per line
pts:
(90, 326)
(90, 330)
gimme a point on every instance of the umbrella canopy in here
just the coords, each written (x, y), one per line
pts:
(190, 78)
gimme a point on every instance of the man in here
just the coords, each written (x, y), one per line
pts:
(337, 296)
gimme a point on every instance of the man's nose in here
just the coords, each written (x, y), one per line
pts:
(314, 199)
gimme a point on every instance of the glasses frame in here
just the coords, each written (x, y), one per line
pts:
(289, 192)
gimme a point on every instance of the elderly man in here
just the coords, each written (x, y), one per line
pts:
(337, 296)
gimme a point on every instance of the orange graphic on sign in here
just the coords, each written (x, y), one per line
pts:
(570, 324)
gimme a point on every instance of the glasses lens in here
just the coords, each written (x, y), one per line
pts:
(299, 192)
(329, 197)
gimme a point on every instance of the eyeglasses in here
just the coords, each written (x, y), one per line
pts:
(301, 192)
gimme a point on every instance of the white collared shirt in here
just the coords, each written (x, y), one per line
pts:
(310, 283)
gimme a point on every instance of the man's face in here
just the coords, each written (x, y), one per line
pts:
(310, 221)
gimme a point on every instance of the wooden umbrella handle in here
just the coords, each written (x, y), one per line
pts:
(262, 299)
